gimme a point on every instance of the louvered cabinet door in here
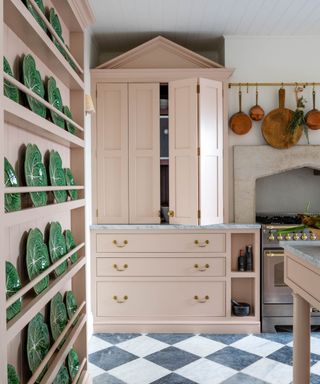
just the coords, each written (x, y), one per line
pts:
(112, 154)
(144, 153)
(183, 159)
(211, 152)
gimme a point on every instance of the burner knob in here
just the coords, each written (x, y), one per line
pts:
(271, 236)
(313, 236)
(296, 236)
(288, 236)
(279, 237)
(304, 236)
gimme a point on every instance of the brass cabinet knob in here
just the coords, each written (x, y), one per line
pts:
(202, 268)
(119, 269)
(202, 244)
(124, 243)
(171, 213)
(120, 301)
(201, 300)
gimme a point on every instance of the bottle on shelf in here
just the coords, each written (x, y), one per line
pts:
(249, 258)
(241, 261)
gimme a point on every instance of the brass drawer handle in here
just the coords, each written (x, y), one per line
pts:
(203, 244)
(119, 301)
(125, 242)
(201, 300)
(201, 268)
(171, 213)
(119, 269)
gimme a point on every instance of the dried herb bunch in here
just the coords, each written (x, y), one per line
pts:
(298, 116)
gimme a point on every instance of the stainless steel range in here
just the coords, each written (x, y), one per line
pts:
(276, 301)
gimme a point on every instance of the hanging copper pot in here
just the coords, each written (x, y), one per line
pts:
(240, 122)
(256, 112)
(312, 118)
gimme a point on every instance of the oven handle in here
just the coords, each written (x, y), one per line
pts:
(273, 254)
(283, 227)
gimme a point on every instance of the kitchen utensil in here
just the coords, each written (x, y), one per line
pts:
(37, 259)
(312, 118)
(70, 244)
(240, 122)
(58, 316)
(57, 247)
(32, 80)
(275, 126)
(13, 284)
(73, 363)
(241, 309)
(38, 343)
(35, 174)
(256, 112)
(57, 176)
(12, 201)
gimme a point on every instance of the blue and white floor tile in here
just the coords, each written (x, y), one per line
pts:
(183, 358)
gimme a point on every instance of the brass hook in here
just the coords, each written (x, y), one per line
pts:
(247, 87)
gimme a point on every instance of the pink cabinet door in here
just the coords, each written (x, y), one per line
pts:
(183, 144)
(144, 153)
(211, 152)
(112, 153)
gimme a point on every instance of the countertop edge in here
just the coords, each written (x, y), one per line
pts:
(97, 227)
(308, 251)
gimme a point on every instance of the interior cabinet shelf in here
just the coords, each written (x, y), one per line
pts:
(21, 21)
(27, 120)
(242, 275)
(34, 304)
(12, 218)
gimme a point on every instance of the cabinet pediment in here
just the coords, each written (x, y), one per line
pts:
(159, 53)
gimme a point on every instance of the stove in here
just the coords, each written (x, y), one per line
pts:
(276, 296)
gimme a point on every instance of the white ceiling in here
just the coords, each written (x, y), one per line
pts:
(197, 24)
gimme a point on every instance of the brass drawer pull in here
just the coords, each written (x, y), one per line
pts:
(201, 300)
(119, 301)
(125, 242)
(119, 269)
(203, 244)
(201, 268)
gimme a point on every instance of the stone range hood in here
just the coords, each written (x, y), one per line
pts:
(252, 162)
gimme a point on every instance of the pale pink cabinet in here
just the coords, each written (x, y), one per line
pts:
(195, 151)
(128, 158)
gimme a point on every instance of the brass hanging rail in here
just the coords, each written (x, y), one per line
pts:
(306, 84)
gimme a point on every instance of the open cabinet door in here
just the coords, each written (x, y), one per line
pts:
(183, 159)
(112, 154)
(144, 153)
(211, 152)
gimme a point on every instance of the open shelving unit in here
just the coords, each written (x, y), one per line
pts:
(19, 126)
(245, 286)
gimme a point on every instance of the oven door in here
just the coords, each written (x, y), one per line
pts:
(275, 291)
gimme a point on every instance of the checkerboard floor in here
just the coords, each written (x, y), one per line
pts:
(184, 358)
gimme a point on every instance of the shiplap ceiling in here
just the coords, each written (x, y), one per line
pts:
(198, 24)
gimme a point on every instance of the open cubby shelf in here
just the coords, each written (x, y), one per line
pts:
(243, 290)
(239, 241)
(19, 126)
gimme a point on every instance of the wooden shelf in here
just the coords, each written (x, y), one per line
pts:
(56, 344)
(240, 275)
(35, 304)
(65, 349)
(66, 12)
(17, 217)
(43, 189)
(20, 20)
(23, 118)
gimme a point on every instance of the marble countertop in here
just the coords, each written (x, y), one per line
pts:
(172, 226)
(306, 250)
